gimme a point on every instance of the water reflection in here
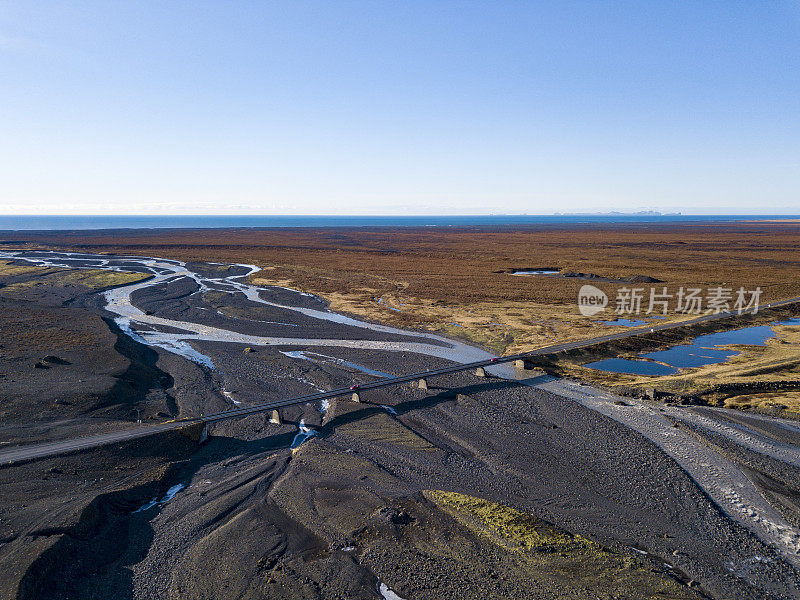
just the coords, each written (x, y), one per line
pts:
(632, 367)
(704, 350)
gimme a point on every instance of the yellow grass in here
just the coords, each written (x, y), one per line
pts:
(786, 400)
(504, 327)
(552, 554)
(93, 279)
(7, 269)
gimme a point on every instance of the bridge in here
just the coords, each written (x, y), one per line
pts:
(197, 427)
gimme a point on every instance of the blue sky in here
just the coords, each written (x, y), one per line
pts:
(399, 107)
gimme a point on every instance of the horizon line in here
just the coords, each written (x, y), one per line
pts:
(416, 215)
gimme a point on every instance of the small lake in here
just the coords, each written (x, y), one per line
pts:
(631, 367)
(538, 272)
(795, 321)
(625, 322)
(704, 350)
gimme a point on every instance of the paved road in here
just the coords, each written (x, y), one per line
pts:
(37, 451)
(25, 453)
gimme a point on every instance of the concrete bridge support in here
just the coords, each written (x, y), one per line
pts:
(526, 364)
(423, 384)
(197, 432)
(275, 418)
(480, 372)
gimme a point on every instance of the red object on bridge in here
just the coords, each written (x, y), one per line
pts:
(495, 359)
(353, 388)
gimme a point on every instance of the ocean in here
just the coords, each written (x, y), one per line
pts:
(73, 222)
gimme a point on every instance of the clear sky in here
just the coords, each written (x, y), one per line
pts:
(400, 107)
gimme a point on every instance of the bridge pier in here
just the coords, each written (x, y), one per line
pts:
(275, 418)
(480, 372)
(197, 432)
(356, 397)
(525, 364)
(423, 384)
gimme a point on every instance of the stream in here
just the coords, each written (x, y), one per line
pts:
(144, 327)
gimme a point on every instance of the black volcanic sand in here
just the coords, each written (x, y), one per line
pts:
(67, 516)
(264, 374)
(227, 308)
(345, 510)
(270, 523)
(68, 370)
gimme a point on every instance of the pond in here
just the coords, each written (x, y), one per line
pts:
(537, 272)
(795, 321)
(631, 367)
(625, 322)
(704, 350)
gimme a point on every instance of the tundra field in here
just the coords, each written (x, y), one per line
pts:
(459, 282)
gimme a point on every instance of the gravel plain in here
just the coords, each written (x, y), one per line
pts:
(344, 513)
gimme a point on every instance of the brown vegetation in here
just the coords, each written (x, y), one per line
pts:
(468, 265)
(458, 281)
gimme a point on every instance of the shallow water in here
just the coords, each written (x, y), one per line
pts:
(704, 350)
(303, 434)
(685, 357)
(625, 322)
(794, 321)
(631, 367)
(169, 495)
(540, 272)
(325, 359)
(118, 302)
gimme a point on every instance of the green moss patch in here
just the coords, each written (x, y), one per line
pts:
(553, 555)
